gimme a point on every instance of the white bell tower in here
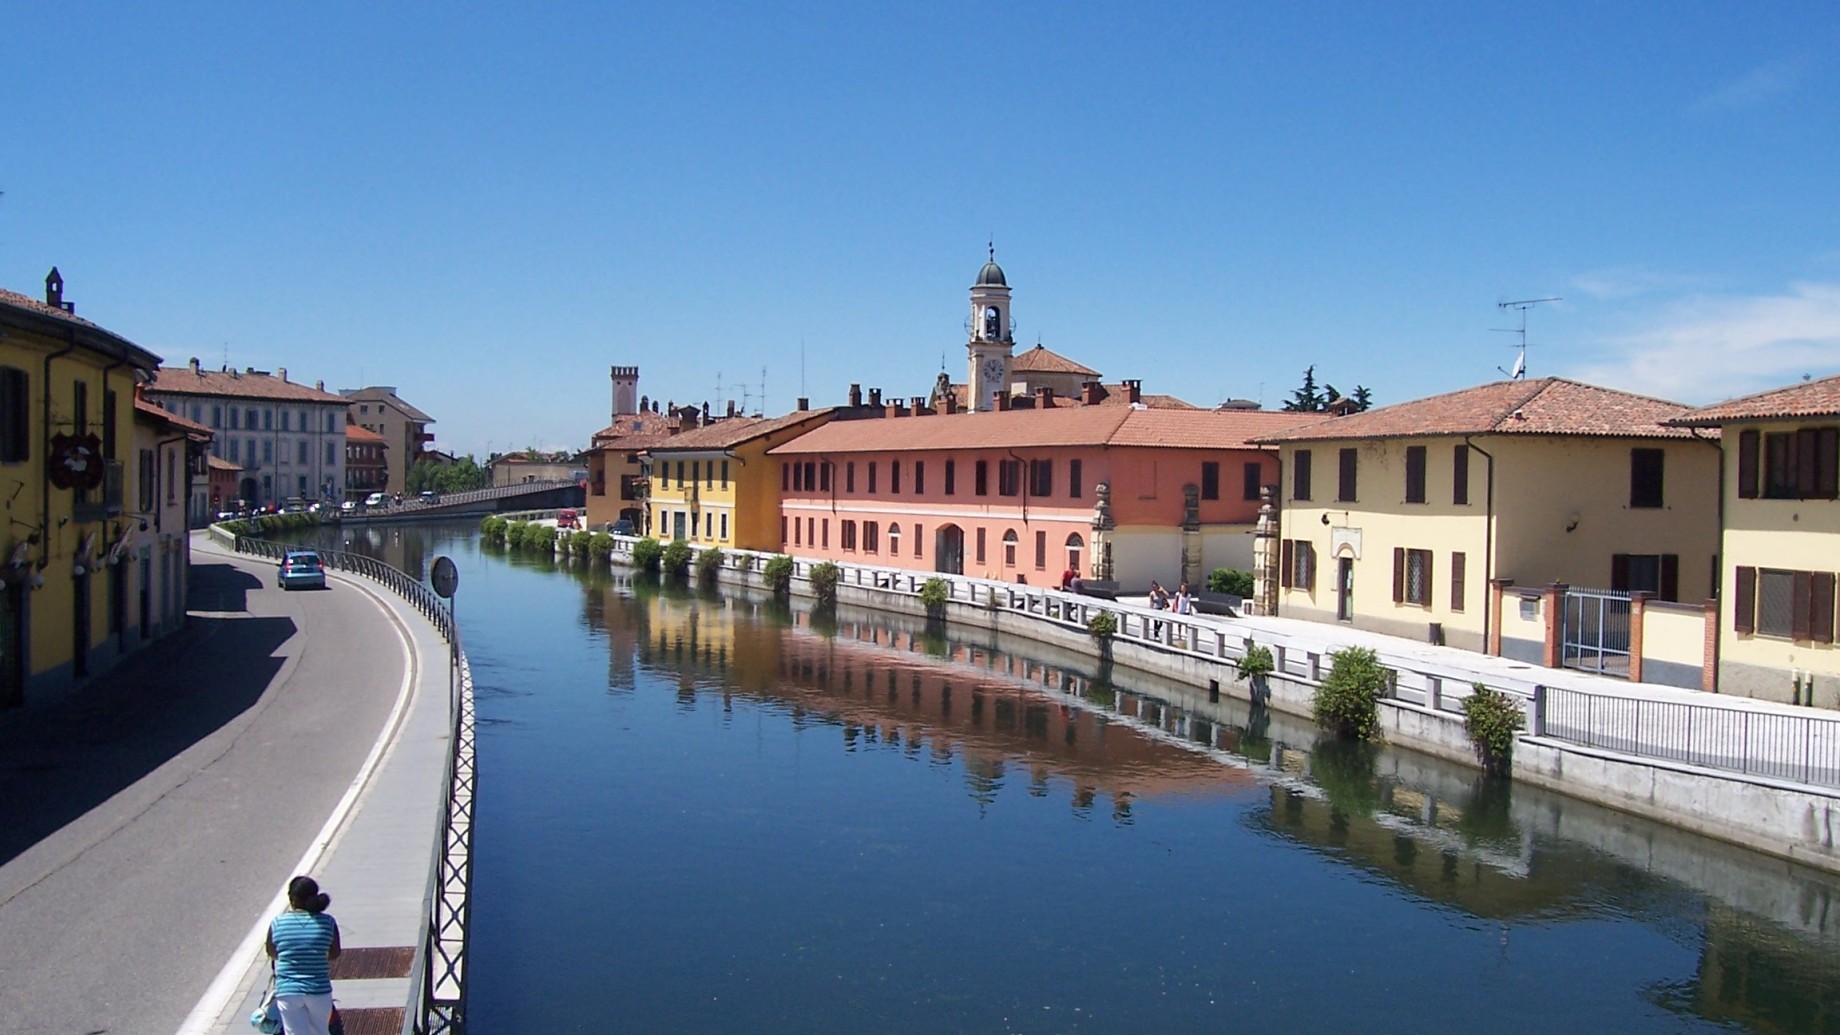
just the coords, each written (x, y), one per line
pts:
(991, 344)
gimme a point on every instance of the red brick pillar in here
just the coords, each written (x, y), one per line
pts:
(1638, 606)
(1554, 608)
(1709, 653)
(1498, 588)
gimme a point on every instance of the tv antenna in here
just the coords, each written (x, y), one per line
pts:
(1520, 358)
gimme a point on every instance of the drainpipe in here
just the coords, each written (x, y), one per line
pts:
(1488, 536)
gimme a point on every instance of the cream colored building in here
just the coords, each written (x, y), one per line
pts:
(1397, 519)
(1781, 541)
(404, 429)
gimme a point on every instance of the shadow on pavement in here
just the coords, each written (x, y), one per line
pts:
(59, 761)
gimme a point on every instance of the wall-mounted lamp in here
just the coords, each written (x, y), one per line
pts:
(1325, 519)
(37, 581)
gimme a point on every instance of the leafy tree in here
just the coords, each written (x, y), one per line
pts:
(463, 474)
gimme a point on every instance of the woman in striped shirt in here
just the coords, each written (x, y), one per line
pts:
(303, 942)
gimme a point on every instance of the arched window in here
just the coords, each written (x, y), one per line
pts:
(1075, 546)
(894, 539)
(1009, 548)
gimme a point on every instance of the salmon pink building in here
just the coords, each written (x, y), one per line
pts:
(1110, 493)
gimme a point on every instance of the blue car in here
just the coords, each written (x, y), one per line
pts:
(301, 568)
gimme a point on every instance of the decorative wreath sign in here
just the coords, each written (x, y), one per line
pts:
(76, 461)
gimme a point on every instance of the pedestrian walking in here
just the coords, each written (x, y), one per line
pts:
(302, 942)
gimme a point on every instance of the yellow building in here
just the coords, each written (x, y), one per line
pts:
(66, 426)
(1399, 519)
(1781, 541)
(714, 486)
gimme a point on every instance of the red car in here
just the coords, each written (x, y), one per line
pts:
(568, 519)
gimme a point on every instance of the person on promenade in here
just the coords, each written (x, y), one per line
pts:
(302, 942)
(1159, 597)
(1185, 604)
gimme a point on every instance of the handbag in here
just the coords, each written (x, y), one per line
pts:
(266, 1018)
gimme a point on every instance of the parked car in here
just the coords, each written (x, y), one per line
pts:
(376, 499)
(624, 526)
(348, 506)
(568, 519)
(301, 568)
(429, 496)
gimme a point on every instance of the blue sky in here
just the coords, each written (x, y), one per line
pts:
(489, 207)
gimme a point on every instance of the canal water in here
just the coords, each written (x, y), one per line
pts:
(704, 812)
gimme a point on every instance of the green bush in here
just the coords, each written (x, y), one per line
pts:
(493, 528)
(778, 574)
(515, 534)
(600, 545)
(647, 554)
(1103, 626)
(934, 593)
(1348, 701)
(824, 576)
(708, 563)
(1492, 718)
(1230, 581)
(1256, 662)
(540, 539)
(676, 558)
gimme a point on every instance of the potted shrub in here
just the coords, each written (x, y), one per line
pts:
(824, 576)
(1492, 719)
(647, 554)
(1348, 701)
(778, 575)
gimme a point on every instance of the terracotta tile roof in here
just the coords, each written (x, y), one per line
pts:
(1035, 429)
(378, 393)
(192, 427)
(1546, 406)
(732, 431)
(32, 308)
(220, 464)
(360, 433)
(637, 425)
(1116, 395)
(237, 385)
(1818, 398)
(1042, 361)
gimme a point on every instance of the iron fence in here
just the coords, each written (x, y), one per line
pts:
(437, 1001)
(1595, 631)
(1774, 745)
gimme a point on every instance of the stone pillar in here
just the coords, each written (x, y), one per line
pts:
(1498, 589)
(1191, 538)
(1553, 603)
(1638, 606)
(1102, 533)
(1265, 556)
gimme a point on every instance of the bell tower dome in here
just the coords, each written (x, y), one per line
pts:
(991, 344)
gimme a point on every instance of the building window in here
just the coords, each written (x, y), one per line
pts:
(981, 483)
(849, 476)
(149, 492)
(1009, 476)
(332, 454)
(1041, 550)
(249, 419)
(268, 420)
(811, 476)
(15, 415)
(1411, 576)
(1345, 483)
(1041, 478)
(1252, 479)
(233, 412)
(980, 546)
(1415, 474)
(918, 540)
(811, 531)
(725, 527)
(1645, 467)
(1297, 565)
(725, 481)
(1797, 605)
(1074, 546)
(1073, 479)
(871, 534)
(824, 475)
(1803, 464)
(951, 477)
(919, 477)
(785, 476)
(782, 529)
(871, 477)
(894, 539)
(1656, 573)
(824, 531)
(217, 416)
(1458, 565)
(846, 535)
(1300, 475)
(268, 450)
(1009, 548)
(236, 455)
(1459, 476)
(894, 477)
(1210, 479)
(108, 423)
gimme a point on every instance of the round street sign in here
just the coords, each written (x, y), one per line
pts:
(445, 577)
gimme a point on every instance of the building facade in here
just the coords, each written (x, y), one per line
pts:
(288, 438)
(155, 551)
(1109, 493)
(67, 430)
(1780, 543)
(403, 428)
(1400, 519)
(367, 468)
(714, 485)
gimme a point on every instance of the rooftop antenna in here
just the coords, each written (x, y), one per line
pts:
(802, 391)
(1520, 358)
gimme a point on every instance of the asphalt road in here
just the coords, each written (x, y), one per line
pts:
(147, 821)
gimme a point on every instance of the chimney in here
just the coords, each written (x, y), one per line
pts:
(918, 405)
(804, 403)
(706, 411)
(1002, 401)
(897, 409)
(281, 372)
(731, 408)
(951, 403)
(875, 397)
(1092, 393)
(856, 395)
(194, 364)
(1044, 398)
(54, 292)
(1136, 390)
(319, 386)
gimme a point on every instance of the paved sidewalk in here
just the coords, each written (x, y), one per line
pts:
(374, 854)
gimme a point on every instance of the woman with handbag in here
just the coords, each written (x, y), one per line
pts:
(303, 941)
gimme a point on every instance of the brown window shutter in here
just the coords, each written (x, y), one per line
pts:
(1800, 616)
(1308, 550)
(1827, 464)
(1619, 572)
(1821, 608)
(1424, 586)
(1399, 574)
(1670, 577)
(1458, 562)
(1744, 604)
(1286, 552)
(1748, 444)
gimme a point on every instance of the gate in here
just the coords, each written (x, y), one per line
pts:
(1594, 634)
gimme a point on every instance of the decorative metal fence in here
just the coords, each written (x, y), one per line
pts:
(1595, 631)
(1775, 745)
(437, 1002)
